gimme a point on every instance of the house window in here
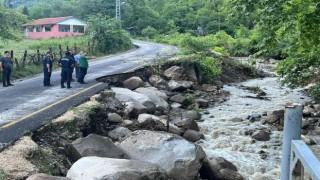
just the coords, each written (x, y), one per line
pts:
(78, 29)
(47, 28)
(64, 28)
(38, 28)
(30, 29)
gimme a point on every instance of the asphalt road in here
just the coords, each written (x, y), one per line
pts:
(25, 106)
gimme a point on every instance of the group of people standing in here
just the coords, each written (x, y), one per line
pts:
(70, 62)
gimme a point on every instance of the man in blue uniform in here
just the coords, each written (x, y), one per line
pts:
(6, 68)
(47, 69)
(67, 64)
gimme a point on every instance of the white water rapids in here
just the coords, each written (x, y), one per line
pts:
(224, 138)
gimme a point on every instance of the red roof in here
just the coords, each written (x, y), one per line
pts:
(47, 21)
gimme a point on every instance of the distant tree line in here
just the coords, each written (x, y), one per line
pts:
(287, 30)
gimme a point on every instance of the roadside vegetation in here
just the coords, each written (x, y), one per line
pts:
(285, 30)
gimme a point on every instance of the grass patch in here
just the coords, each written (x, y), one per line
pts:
(42, 159)
(2, 174)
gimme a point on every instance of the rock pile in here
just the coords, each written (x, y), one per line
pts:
(143, 130)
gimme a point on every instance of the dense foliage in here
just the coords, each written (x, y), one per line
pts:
(107, 34)
(286, 30)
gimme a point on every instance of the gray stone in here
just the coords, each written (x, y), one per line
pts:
(158, 82)
(152, 91)
(179, 98)
(275, 116)
(178, 157)
(161, 124)
(175, 73)
(194, 115)
(180, 85)
(150, 102)
(133, 83)
(305, 124)
(193, 136)
(42, 176)
(236, 119)
(94, 145)
(316, 107)
(98, 168)
(227, 174)
(176, 105)
(212, 169)
(186, 124)
(307, 110)
(134, 109)
(209, 88)
(114, 117)
(203, 103)
(119, 133)
(261, 135)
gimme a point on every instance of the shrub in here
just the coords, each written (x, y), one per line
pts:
(150, 32)
(315, 92)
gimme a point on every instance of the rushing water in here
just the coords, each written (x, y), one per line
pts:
(256, 160)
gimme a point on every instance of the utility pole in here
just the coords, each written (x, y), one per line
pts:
(118, 10)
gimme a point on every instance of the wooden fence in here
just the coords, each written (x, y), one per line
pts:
(21, 59)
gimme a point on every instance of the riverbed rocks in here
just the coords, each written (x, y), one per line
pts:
(178, 157)
(132, 122)
(108, 168)
(94, 145)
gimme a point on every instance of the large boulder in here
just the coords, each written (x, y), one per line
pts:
(126, 95)
(275, 116)
(191, 114)
(261, 135)
(145, 120)
(152, 91)
(94, 145)
(175, 73)
(107, 168)
(42, 176)
(158, 82)
(181, 99)
(219, 168)
(180, 85)
(192, 135)
(178, 157)
(133, 83)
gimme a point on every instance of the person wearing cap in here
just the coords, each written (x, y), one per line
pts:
(67, 64)
(47, 69)
(6, 68)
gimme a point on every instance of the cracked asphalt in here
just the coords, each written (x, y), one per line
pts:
(26, 106)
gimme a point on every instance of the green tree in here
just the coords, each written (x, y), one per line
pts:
(290, 28)
(107, 34)
(10, 23)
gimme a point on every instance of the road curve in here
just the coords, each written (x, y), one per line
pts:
(28, 96)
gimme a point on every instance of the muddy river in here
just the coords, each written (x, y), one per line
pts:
(256, 160)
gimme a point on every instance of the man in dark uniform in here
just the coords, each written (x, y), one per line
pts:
(47, 69)
(67, 64)
(6, 68)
